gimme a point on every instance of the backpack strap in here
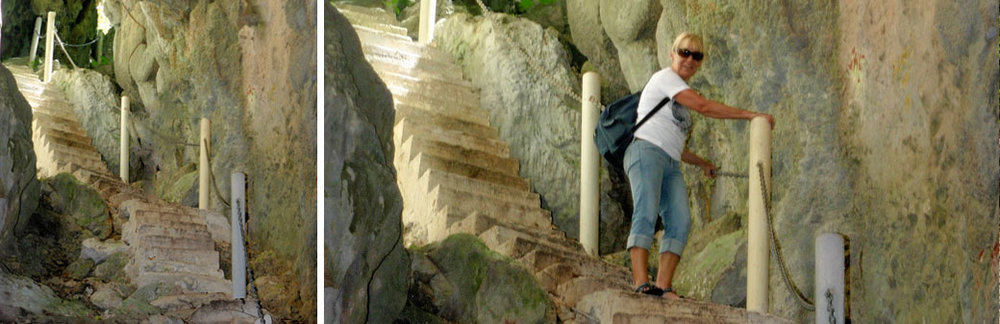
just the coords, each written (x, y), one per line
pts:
(655, 109)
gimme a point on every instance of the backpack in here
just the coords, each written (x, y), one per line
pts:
(616, 128)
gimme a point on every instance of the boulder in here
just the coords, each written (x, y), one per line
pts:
(24, 300)
(82, 204)
(19, 189)
(367, 273)
(96, 250)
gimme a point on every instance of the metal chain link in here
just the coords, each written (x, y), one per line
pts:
(800, 298)
(249, 269)
(532, 65)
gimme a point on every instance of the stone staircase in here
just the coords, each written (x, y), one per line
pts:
(456, 176)
(170, 244)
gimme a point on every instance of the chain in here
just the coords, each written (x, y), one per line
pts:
(64, 51)
(829, 307)
(532, 65)
(800, 298)
(81, 45)
(246, 256)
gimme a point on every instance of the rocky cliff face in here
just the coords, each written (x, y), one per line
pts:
(886, 133)
(249, 66)
(19, 189)
(368, 268)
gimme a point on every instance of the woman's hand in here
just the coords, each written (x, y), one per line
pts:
(770, 119)
(709, 169)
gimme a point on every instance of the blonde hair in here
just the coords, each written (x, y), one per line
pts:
(689, 41)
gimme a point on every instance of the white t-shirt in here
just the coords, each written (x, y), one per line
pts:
(668, 128)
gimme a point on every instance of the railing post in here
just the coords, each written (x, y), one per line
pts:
(830, 269)
(239, 272)
(204, 170)
(590, 163)
(124, 139)
(34, 39)
(428, 16)
(757, 249)
(50, 31)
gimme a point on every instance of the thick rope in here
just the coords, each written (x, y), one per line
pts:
(800, 297)
(64, 51)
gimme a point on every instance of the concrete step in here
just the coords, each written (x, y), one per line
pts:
(73, 166)
(64, 155)
(551, 277)
(436, 100)
(186, 281)
(517, 243)
(574, 289)
(424, 162)
(50, 121)
(434, 88)
(466, 114)
(478, 158)
(152, 215)
(479, 224)
(449, 81)
(439, 124)
(384, 67)
(419, 135)
(411, 60)
(403, 43)
(464, 184)
(384, 21)
(54, 143)
(70, 133)
(622, 306)
(177, 230)
(467, 203)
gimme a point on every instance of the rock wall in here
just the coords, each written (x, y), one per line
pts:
(367, 266)
(249, 66)
(19, 189)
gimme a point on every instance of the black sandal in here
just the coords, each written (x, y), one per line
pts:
(648, 289)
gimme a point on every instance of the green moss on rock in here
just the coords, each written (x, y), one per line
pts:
(83, 205)
(113, 269)
(80, 269)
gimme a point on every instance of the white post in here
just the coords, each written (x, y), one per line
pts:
(124, 139)
(204, 170)
(757, 249)
(428, 16)
(34, 39)
(238, 258)
(50, 31)
(830, 269)
(590, 163)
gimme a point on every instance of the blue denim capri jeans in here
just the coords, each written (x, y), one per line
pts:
(657, 189)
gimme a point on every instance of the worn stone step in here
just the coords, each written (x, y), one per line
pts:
(438, 124)
(175, 255)
(73, 166)
(402, 43)
(424, 162)
(210, 269)
(576, 288)
(175, 230)
(423, 223)
(72, 134)
(551, 277)
(170, 242)
(516, 243)
(50, 121)
(622, 306)
(447, 81)
(459, 183)
(186, 281)
(422, 133)
(165, 214)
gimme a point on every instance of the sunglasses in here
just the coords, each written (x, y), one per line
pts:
(685, 53)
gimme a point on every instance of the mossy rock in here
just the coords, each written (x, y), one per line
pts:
(80, 269)
(82, 204)
(139, 303)
(178, 185)
(113, 268)
(488, 287)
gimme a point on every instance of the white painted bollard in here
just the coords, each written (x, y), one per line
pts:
(50, 31)
(238, 221)
(757, 248)
(204, 170)
(34, 39)
(590, 163)
(124, 139)
(428, 16)
(830, 269)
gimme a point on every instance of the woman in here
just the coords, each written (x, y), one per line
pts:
(651, 162)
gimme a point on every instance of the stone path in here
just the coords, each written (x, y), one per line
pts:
(170, 244)
(456, 176)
